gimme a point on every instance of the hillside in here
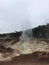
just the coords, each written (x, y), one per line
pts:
(33, 43)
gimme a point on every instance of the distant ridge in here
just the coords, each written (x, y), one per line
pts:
(41, 31)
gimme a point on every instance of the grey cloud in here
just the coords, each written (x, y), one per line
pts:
(22, 14)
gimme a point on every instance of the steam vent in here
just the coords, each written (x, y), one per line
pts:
(29, 47)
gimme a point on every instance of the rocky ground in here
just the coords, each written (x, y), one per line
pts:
(29, 52)
(27, 60)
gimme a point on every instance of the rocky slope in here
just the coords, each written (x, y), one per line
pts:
(12, 48)
(32, 42)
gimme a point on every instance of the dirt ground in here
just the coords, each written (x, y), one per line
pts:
(26, 60)
(30, 59)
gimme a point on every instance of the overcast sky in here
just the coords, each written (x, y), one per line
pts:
(22, 14)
